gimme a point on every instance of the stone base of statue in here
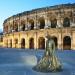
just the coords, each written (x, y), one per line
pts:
(49, 62)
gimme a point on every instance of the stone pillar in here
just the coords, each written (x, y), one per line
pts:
(38, 25)
(4, 41)
(19, 44)
(9, 43)
(26, 41)
(60, 42)
(35, 40)
(26, 26)
(19, 41)
(8, 28)
(72, 24)
(60, 22)
(35, 24)
(29, 26)
(46, 23)
(12, 42)
(73, 41)
(49, 23)
(18, 26)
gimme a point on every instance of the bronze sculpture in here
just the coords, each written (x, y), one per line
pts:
(49, 62)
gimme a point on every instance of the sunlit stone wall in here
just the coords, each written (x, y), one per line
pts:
(28, 29)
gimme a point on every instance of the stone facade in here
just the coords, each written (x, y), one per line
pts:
(28, 29)
(1, 40)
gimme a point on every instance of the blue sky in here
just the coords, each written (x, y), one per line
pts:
(12, 7)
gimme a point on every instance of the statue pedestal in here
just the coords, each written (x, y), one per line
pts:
(48, 64)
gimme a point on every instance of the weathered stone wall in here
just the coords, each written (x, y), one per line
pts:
(58, 22)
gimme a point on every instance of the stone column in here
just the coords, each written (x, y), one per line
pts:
(36, 21)
(19, 23)
(38, 25)
(19, 41)
(9, 43)
(18, 26)
(72, 24)
(35, 41)
(29, 26)
(26, 41)
(46, 23)
(8, 28)
(59, 22)
(73, 40)
(26, 26)
(12, 42)
(60, 42)
(35, 24)
(72, 43)
(4, 41)
(49, 24)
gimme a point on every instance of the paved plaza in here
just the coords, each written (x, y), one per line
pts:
(21, 62)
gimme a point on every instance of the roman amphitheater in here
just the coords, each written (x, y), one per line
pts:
(28, 29)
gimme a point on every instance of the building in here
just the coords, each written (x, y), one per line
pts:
(1, 39)
(28, 29)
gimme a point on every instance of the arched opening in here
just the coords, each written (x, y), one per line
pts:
(23, 43)
(53, 23)
(31, 43)
(16, 27)
(55, 40)
(6, 29)
(66, 22)
(67, 43)
(11, 28)
(42, 23)
(32, 24)
(11, 43)
(16, 43)
(23, 25)
(41, 43)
